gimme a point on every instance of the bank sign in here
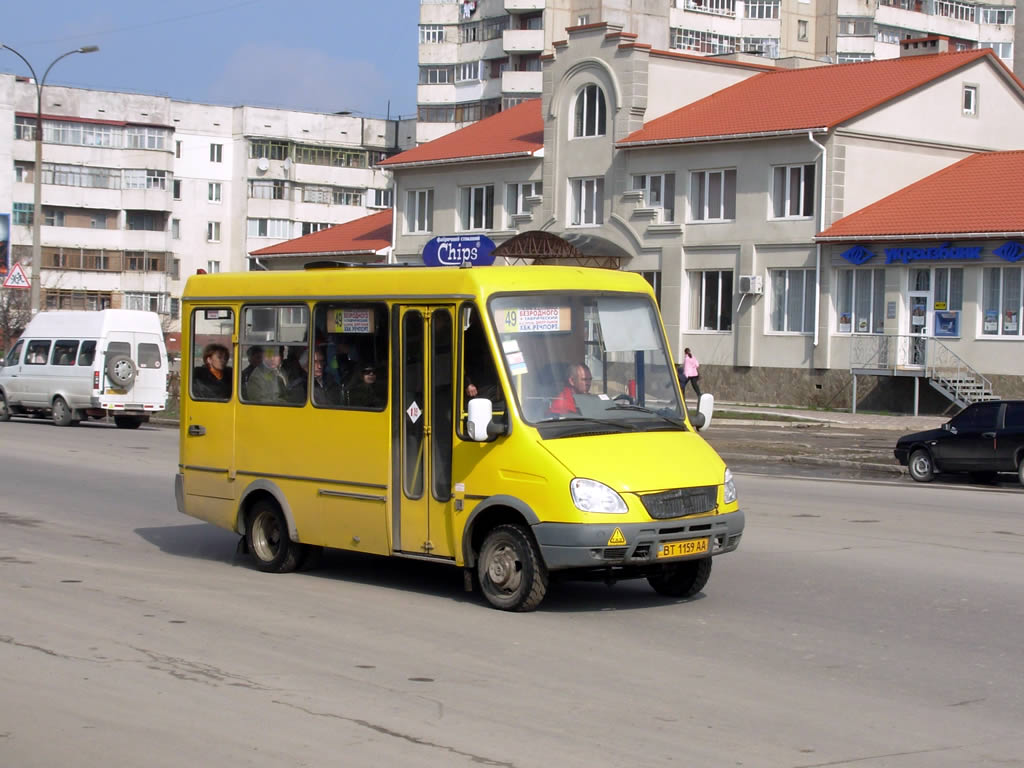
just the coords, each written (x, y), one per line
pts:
(1010, 251)
(456, 250)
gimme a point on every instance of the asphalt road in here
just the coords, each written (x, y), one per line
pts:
(861, 623)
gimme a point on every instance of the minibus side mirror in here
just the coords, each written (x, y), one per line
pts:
(705, 407)
(480, 422)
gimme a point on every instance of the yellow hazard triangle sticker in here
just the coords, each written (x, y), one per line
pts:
(617, 539)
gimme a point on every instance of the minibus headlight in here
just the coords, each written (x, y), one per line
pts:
(730, 487)
(592, 496)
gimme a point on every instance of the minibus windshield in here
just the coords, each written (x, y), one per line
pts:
(599, 359)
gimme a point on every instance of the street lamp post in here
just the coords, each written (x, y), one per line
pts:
(37, 176)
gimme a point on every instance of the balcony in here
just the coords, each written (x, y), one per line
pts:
(521, 82)
(524, 6)
(522, 40)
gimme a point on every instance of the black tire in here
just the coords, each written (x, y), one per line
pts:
(509, 568)
(921, 466)
(1020, 470)
(121, 371)
(61, 412)
(127, 422)
(266, 533)
(683, 579)
(5, 411)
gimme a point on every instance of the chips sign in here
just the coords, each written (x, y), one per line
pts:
(456, 250)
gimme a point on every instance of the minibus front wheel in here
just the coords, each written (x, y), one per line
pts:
(684, 579)
(266, 533)
(512, 574)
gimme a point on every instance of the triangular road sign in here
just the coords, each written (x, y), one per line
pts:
(16, 278)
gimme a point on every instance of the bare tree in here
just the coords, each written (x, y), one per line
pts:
(15, 312)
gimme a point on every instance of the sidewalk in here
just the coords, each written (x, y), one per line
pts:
(895, 422)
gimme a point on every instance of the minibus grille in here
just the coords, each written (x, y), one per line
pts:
(680, 502)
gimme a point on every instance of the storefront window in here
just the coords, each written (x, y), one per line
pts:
(860, 301)
(949, 289)
(1001, 301)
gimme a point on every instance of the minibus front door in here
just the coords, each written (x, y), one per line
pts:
(422, 521)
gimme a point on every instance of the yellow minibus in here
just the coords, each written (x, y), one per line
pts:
(521, 423)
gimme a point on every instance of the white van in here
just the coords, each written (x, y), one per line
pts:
(73, 365)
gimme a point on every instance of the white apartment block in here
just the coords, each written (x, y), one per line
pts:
(141, 191)
(476, 58)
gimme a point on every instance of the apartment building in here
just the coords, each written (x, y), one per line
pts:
(716, 179)
(476, 58)
(141, 191)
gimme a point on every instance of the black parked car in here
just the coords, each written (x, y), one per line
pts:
(983, 439)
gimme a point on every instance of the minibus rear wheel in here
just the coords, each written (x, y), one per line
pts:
(5, 411)
(511, 573)
(266, 533)
(684, 579)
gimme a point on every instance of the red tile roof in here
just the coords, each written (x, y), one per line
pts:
(368, 234)
(517, 131)
(980, 194)
(800, 99)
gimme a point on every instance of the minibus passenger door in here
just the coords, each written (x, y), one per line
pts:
(424, 423)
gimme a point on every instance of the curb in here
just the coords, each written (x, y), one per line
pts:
(817, 461)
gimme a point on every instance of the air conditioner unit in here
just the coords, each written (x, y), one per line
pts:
(751, 284)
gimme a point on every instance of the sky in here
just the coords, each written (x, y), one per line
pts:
(299, 54)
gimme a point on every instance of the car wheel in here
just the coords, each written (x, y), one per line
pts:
(5, 411)
(511, 573)
(267, 536)
(61, 412)
(921, 467)
(684, 579)
(1020, 470)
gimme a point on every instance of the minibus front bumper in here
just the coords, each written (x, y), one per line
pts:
(605, 545)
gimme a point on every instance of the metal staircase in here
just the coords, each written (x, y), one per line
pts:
(921, 357)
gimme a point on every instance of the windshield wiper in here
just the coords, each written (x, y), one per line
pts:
(623, 407)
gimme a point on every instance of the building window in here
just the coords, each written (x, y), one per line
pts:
(379, 198)
(1003, 50)
(582, 20)
(148, 221)
(702, 42)
(717, 7)
(761, 9)
(713, 195)
(852, 58)
(177, 149)
(792, 309)
(309, 227)
(268, 148)
(212, 267)
(801, 30)
(590, 112)
(431, 33)
(586, 201)
(136, 137)
(176, 189)
(954, 9)
(436, 75)
(860, 301)
(216, 153)
(419, 211)
(949, 289)
(852, 26)
(53, 217)
(213, 192)
(761, 46)
(279, 228)
(793, 191)
(1001, 301)
(997, 15)
(213, 231)
(711, 300)
(659, 193)
(22, 214)
(971, 100)
(98, 221)
(267, 189)
(515, 199)
(476, 207)
(470, 70)
(176, 229)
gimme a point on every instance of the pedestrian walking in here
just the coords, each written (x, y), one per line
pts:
(690, 373)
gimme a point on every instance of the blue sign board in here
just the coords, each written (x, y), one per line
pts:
(858, 254)
(456, 250)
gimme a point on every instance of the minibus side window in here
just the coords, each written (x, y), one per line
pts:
(479, 373)
(211, 364)
(87, 353)
(15, 354)
(412, 392)
(64, 352)
(274, 346)
(149, 355)
(441, 399)
(37, 352)
(350, 356)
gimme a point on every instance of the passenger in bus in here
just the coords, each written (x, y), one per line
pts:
(325, 390)
(364, 391)
(255, 355)
(578, 379)
(298, 380)
(267, 384)
(212, 379)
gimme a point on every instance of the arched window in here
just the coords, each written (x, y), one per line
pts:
(590, 112)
